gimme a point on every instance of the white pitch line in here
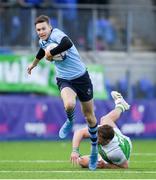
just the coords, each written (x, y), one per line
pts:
(97, 172)
(143, 154)
(144, 162)
(58, 161)
(34, 161)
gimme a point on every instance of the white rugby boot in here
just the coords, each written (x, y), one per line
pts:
(119, 101)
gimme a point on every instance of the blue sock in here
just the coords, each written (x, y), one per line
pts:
(93, 137)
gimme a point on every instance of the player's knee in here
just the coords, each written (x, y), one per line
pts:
(69, 105)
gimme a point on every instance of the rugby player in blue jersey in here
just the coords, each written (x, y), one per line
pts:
(72, 79)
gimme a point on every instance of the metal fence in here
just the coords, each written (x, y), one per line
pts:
(113, 28)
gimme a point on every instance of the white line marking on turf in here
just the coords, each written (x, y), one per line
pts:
(97, 172)
(144, 162)
(143, 154)
(59, 161)
(34, 161)
(76, 179)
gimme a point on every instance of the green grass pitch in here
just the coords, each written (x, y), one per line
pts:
(50, 160)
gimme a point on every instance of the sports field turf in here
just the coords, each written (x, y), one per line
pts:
(50, 160)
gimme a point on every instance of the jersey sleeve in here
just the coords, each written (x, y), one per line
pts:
(57, 35)
(40, 44)
(117, 130)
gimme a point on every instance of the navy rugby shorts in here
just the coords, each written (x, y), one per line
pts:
(82, 86)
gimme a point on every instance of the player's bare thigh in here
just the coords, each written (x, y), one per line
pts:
(69, 97)
(111, 118)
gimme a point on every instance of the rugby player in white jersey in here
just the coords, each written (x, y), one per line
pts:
(72, 79)
(114, 148)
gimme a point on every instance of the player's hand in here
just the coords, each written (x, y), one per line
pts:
(74, 158)
(30, 67)
(101, 164)
(48, 55)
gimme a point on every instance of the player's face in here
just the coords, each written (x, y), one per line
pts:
(101, 140)
(43, 30)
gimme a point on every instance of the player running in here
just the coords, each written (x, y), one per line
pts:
(72, 79)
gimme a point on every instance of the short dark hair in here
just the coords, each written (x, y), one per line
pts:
(105, 134)
(42, 18)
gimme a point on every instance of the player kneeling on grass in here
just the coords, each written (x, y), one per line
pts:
(114, 147)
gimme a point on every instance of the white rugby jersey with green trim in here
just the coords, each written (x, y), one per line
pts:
(117, 150)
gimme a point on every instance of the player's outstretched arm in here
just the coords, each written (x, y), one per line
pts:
(32, 65)
(39, 56)
(79, 135)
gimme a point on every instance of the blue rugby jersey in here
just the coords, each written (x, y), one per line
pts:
(71, 67)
